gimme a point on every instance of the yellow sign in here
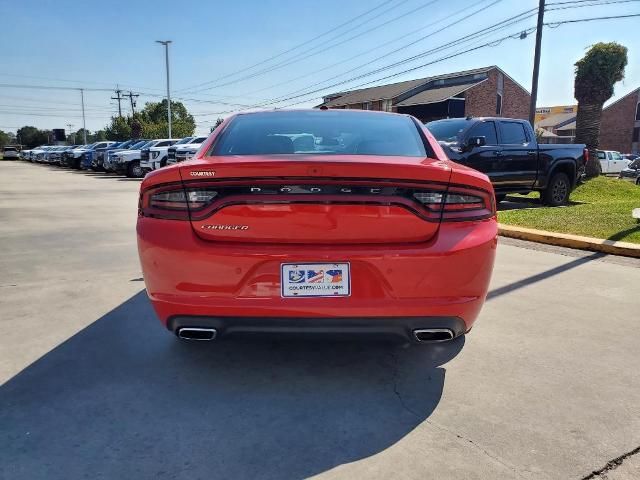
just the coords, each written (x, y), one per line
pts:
(544, 112)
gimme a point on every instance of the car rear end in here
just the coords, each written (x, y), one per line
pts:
(383, 237)
(10, 153)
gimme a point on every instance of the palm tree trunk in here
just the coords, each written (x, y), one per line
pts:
(587, 132)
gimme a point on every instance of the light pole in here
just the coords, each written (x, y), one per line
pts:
(166, 58)
(84, 124)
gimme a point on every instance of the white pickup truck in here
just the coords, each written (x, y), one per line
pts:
(185, 151)
(127, 162)
(152, 158)
(612, 162)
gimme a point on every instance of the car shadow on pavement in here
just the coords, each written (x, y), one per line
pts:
(124, 398)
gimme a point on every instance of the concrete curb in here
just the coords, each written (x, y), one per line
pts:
(572, 241)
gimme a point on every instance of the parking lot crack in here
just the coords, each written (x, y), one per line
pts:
(611, 465)
(398, 394)
(396, 390)
(475, 445)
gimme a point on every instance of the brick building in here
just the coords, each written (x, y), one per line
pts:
(483, 92)
(620, 127)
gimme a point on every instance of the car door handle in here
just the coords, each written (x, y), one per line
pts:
(531, 152)
(497, 153)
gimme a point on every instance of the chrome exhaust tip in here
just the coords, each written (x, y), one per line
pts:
(424, 335)
(193, 333)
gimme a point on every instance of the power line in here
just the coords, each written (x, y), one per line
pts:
(293, 48)
(466, 8)
(484, 31)
(447, 57)
(306, 55)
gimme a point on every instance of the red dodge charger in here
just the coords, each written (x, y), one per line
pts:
(320, 222)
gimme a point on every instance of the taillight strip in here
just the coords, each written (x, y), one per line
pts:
(458, 202)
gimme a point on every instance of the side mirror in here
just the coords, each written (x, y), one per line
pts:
(473, 142)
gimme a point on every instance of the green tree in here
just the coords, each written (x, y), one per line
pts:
(32, 137)
(218, 122)
(153, 118)
(5, 138)
(596, 74)
(118, 129)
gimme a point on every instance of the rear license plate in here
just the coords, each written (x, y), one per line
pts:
(315, 280)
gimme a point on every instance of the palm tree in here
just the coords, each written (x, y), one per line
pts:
(596, 74)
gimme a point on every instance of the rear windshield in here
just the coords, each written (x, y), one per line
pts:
(321, 132)
(9, 149)
(450, 130)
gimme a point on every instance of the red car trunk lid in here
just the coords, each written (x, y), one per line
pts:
(314, 200)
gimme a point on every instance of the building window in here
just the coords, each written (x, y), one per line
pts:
(498, 104)
(366, 105)
(636, 135)
(638, 111)
(387, 105)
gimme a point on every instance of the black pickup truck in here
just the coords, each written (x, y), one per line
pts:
(507, 151)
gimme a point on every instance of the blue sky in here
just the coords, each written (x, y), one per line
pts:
(100, 44)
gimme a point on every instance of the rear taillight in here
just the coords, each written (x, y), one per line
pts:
(174, 203)
(585, 154)
(459, 205)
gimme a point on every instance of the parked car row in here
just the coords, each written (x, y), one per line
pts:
(133, 158)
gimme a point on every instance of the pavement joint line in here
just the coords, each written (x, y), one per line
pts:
(572, 241)
(611, 464)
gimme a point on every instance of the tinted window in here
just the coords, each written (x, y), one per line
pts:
(513, 133)
(198, 140)
(321, 132)
(486, 130)
(162, 144)
(184, 140)
(448, 130)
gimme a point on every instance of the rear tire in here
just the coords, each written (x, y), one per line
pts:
(557, 191)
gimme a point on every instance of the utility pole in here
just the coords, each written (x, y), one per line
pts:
(133, 102)
(536, 65)
(84, 124)
(166, 59)
(119, 99)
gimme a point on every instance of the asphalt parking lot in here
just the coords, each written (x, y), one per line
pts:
(546, 386)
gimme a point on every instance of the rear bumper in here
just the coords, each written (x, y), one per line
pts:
(371, 328)
(187, 277)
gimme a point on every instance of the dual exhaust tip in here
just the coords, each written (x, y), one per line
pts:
(194, 333)
(432, 335)
(422, 335)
